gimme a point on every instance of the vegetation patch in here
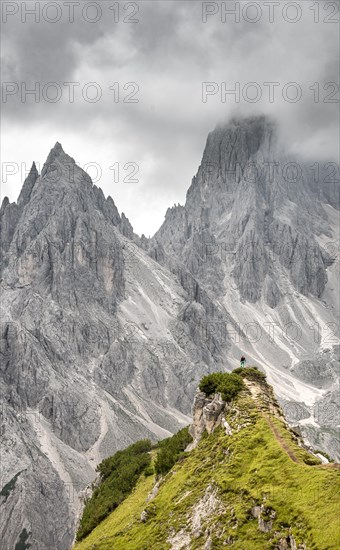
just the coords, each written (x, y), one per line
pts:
(22, 544)
(6, 490)
(171, 450)
(228, 384)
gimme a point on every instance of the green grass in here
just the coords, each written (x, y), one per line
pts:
(248, 468)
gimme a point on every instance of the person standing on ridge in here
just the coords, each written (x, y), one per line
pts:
(243, 361)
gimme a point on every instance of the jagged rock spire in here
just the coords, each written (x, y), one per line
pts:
(27, 188)
(56, 152)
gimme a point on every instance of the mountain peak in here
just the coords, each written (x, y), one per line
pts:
(55, 153)
(33, 169)
(249, 121)
(5, 203)
(28, 185)
(247, 134)
(251, 126)
(57, 148)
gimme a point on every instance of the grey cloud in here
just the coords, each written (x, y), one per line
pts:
(169, 53)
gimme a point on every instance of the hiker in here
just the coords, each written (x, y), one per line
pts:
(243, 361)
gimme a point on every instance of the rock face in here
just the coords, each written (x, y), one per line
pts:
(98, 348)
(242, 205)
(260, 233)
(209, 505)
(105, 336)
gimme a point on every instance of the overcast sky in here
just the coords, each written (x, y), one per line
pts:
(160, 123)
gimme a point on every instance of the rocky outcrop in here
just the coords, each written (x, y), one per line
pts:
(265, 517)
(322, 370)
(289, 544)
(207, 414)
(208, 506)
(10, 214)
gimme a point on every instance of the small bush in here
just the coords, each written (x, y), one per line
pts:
(229, 385)
(210, 383)
(22, 544)
(311, 460)
(6, 490)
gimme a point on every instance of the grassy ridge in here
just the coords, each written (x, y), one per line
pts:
(246, 469)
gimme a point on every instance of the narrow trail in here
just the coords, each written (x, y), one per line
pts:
(256, 394)
(281, 441)
(290, 452)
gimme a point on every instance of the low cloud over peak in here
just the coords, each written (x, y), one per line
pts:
(132, 91)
